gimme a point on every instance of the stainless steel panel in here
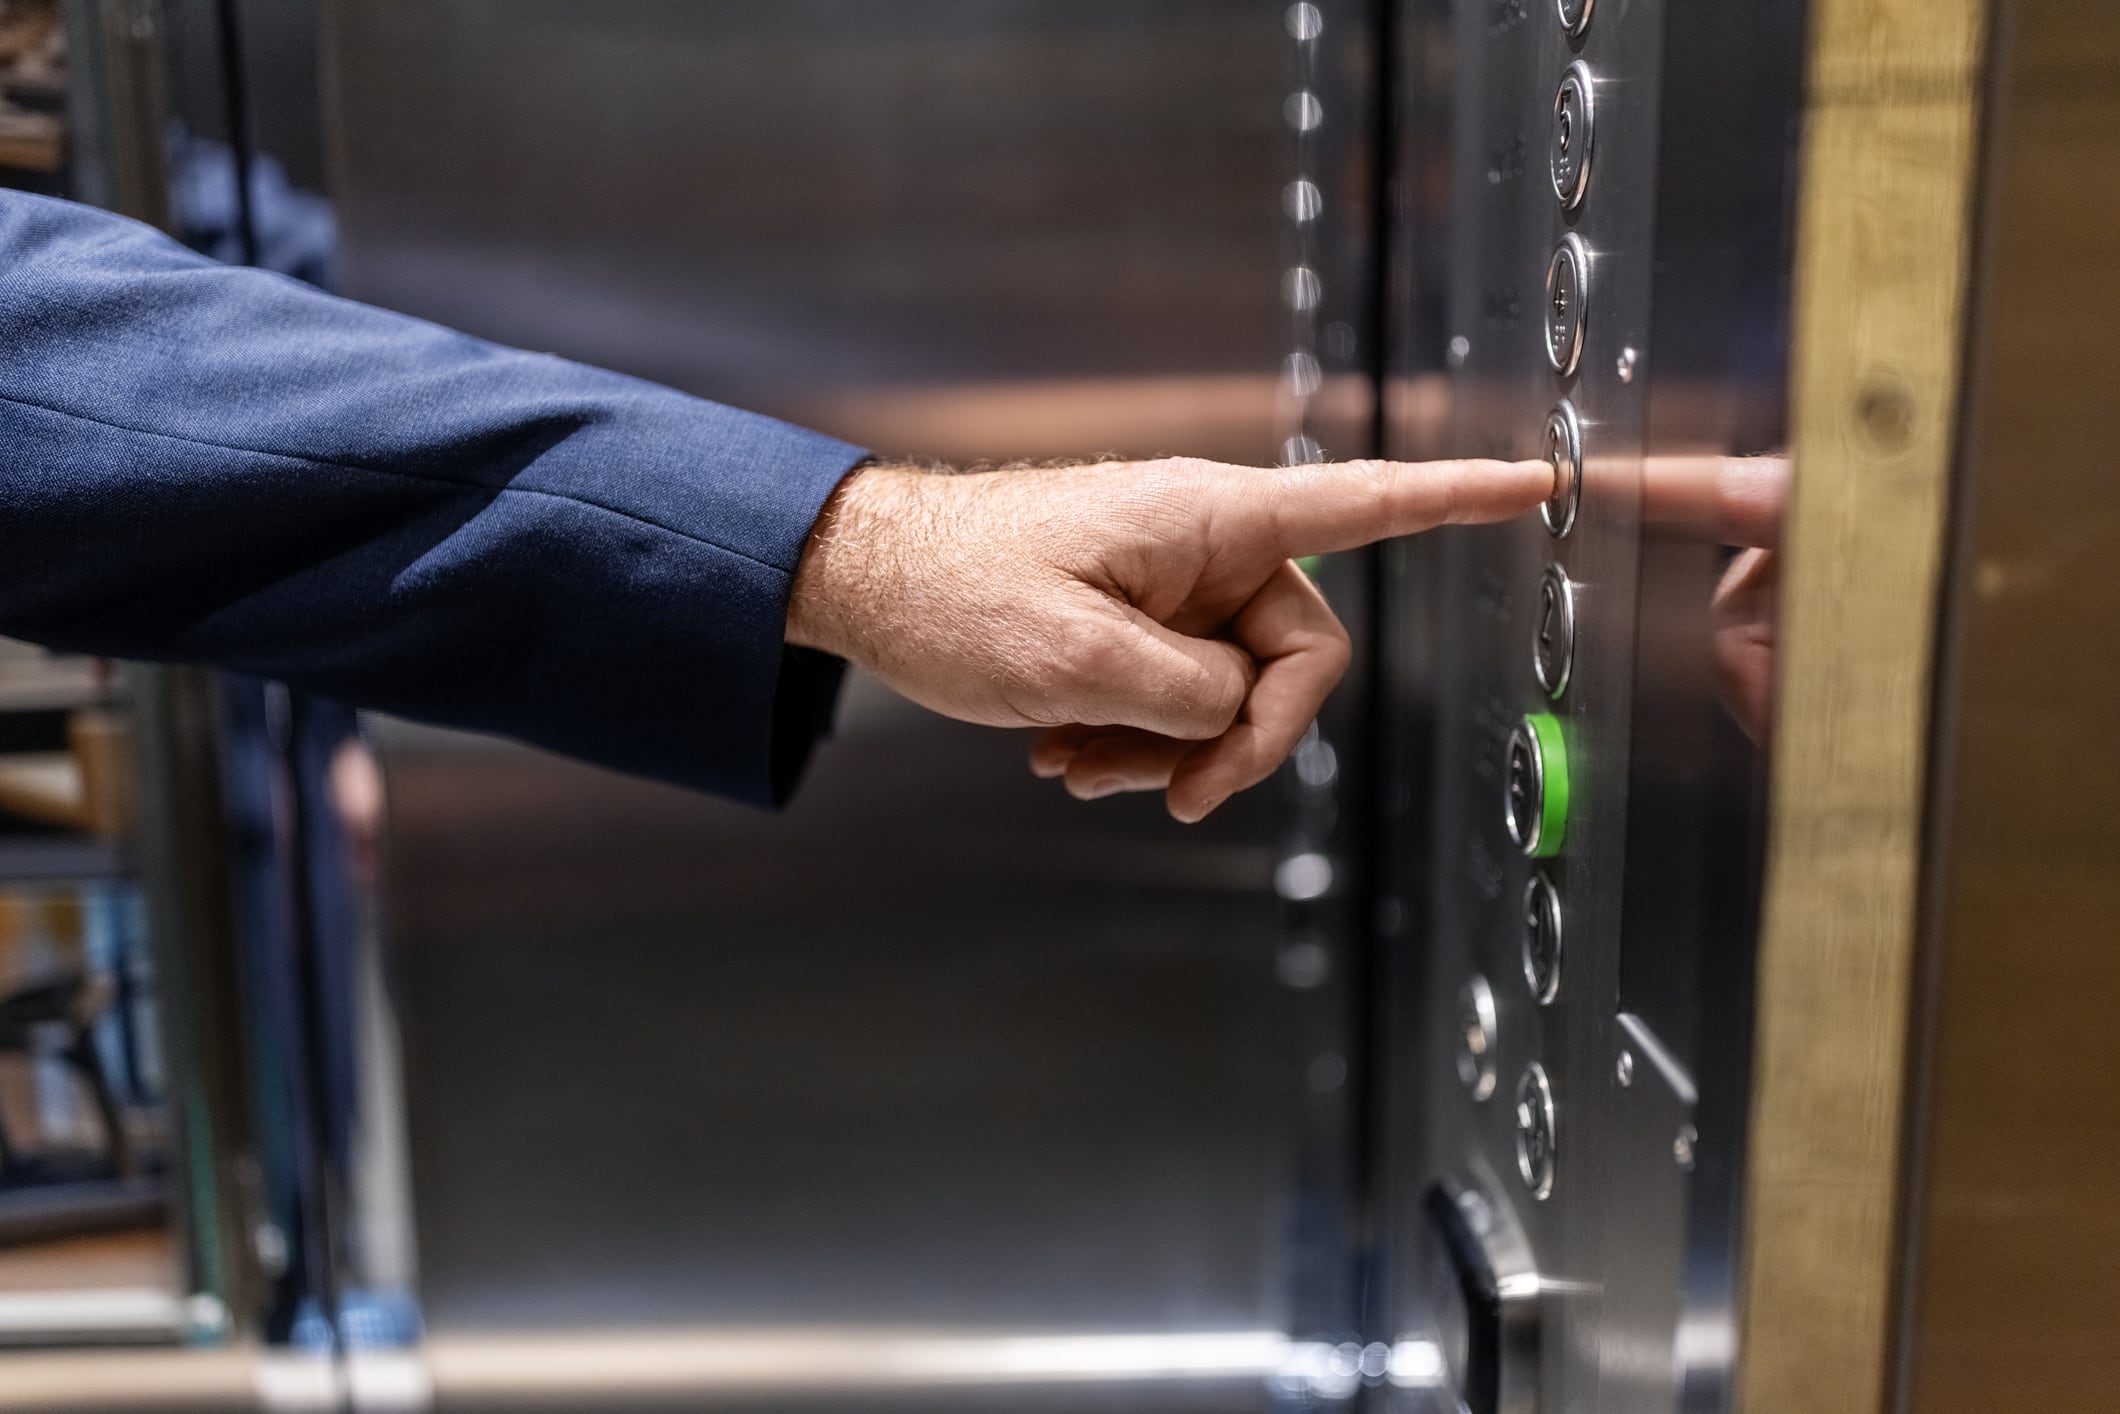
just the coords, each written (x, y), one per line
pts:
(1675, 265)
(943, 227)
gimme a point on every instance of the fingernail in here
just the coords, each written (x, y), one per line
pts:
(1098, 789)
(1193, 815)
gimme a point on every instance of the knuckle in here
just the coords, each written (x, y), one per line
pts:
(1211, 702)
(1338, 657)
(1373, 483)
(1163, 496)
(1337, 650)
(1337, 638)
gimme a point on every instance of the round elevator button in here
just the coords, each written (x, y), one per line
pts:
(1475, 1041)
(1567, 295)
(1542, 938)
(1536, 1140)
(1553, 647)
(1535, 807)
(1564, 453)
(1574, 125)
(1575, 15)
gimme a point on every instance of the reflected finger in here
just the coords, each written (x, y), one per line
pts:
(1729, 500)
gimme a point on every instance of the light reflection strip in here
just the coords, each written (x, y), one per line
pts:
(767, 1358)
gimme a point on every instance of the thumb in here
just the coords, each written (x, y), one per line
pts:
(1162, 681)
(1314, 510)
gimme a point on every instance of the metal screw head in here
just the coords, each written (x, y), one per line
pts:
(1553, 645)
(1574, 131)
(1542, 938)
(1567, 291)
(1623, 1069)
(1683, 1146)
(1628, 358)
(1460, 350)
(1564, 452)
(1536, 1139)
(1475, 1038)
(1575, 14)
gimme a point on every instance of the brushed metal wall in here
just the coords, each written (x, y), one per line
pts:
(943, 226)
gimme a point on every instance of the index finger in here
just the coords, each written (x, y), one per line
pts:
(1314, 510)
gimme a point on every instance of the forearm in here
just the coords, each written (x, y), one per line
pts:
(217, 465)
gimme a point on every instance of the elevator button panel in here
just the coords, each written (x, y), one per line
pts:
(1567, 300)
(1553, 641)
(1535, 810)
(1569, 148)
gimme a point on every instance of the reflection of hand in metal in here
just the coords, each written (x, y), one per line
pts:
(1746, 618)
(1732, 501)
(357, 795)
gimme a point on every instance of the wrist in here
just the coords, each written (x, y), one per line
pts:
(812, 620)
(841, 571)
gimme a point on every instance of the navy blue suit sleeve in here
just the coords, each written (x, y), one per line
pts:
(217, 465)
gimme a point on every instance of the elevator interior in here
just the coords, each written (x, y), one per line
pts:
(1420, 1080)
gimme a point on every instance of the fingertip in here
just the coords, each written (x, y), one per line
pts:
(1490, 490)
(1189, 812)
(1199, 787)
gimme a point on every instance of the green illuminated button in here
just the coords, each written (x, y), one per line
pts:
(1536, 809)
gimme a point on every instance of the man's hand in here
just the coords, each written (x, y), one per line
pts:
(1147, 614)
